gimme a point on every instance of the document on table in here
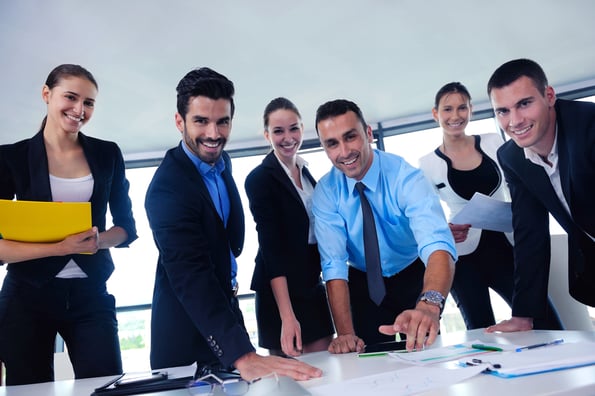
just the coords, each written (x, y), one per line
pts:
(446, 353)
(540, 360)
(407, 381)
(36, 221)
(486, 213)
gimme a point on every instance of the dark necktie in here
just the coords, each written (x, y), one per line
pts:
(376, 287)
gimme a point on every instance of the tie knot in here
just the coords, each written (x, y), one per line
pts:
(360, 187)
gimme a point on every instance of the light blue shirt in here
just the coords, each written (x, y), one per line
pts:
(211, 175)
(409, 219)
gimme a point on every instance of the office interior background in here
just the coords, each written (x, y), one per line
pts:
(390, 57)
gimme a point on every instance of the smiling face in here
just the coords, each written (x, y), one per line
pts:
(526, 114)
(347, 144)
(285, 132)
(453, 113)
(70, 104)
(206, 128)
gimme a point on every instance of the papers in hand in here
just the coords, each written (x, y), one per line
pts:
(35, 221)
(486, 213)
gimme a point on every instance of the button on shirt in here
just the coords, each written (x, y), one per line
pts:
(408, 215)
(211, 175)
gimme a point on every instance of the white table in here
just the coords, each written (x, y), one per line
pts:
(576, 382)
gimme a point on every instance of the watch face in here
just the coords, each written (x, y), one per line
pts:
(433, 297)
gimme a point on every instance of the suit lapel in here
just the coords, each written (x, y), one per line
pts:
(38, 166)
(272, 163)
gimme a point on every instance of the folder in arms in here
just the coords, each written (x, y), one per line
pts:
(36, 221)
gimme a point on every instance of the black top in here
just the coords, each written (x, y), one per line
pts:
(485, 179)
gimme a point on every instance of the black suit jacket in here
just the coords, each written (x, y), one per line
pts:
(533, 197)
(195, 317)
(24, 174)
(282, 224)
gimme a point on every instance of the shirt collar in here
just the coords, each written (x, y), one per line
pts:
(203, 167)
(299, 161)
(552, 156)
(370, 179)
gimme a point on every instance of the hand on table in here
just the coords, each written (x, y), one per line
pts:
(416, 324)
(515, 323)
(346, 343)
(291, 337)
(252, 366)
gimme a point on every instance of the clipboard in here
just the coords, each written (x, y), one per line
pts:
(40, 221)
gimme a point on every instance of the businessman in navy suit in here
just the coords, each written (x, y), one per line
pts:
(196, 216)
(549, 164)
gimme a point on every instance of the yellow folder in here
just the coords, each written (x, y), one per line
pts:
(33, 221)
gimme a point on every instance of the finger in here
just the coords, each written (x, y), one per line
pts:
(298, 343)
(387, 329)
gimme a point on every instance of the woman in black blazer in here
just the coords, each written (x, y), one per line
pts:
(52, 288)
(291, 307)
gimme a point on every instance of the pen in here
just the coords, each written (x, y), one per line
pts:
(554, 342)
(486, 347)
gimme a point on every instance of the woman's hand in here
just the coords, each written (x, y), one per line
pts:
(459, 231)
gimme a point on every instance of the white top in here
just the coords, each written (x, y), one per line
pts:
(77, 189)
(305, 193)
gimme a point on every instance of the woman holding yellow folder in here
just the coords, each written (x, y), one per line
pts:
(52, 288)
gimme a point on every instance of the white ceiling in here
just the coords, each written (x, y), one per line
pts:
(388, 56)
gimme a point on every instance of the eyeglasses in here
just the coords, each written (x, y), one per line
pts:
(231, 386)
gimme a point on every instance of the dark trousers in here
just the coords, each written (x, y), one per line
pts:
(402, 291)
(81, 311)
(491, 265)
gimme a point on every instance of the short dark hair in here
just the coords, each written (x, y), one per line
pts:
(338, 107)
(515, 69)
(203, 82)
(452, 87)
(276, 104)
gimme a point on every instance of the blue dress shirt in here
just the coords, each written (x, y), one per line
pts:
(211, 175)
(408, 215)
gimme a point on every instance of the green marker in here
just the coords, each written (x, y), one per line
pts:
(372, 354)
(486, 347)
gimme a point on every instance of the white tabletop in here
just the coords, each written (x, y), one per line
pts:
(336, 368)
(577, 381)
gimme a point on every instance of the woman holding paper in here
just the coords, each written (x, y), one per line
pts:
(60, 287)
(461, 166)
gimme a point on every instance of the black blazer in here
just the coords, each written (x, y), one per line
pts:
(193, 315)
(533, 197)
(24, 174)
(282, 224)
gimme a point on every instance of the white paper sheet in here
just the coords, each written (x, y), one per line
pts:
(407, 381)
(446, 353)
(486, 213)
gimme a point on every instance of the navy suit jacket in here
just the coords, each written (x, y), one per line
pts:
(195, 317)
(533, 197)
(24, 174)
(282, 224)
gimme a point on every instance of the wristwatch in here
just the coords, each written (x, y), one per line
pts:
(433, 297)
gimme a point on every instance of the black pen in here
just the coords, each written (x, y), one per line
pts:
(554, 342)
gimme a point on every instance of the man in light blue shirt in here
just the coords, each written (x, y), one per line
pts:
(417, 250)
